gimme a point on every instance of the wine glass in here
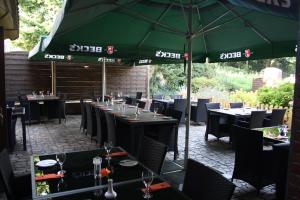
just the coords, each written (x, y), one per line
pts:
(155, 111)
(61, 158)
(108, 147)
(147, 178)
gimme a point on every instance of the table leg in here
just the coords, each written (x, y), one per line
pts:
(24, 132)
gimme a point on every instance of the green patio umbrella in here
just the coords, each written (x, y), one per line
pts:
(158, 30)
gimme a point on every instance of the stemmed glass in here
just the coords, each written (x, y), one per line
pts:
(155, 111)
(61, 158)
(108, 147)
(147, 178)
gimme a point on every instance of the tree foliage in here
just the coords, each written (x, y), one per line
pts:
(36, 20)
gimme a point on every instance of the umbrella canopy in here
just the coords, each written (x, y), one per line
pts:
(213, 30)
(157, 30)
(9, 18)
(36, 54)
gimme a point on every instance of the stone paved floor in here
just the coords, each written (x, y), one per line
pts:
(51, 137)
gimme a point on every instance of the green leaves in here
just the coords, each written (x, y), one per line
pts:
(36, 19)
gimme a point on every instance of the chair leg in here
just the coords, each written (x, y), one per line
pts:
(206, 137)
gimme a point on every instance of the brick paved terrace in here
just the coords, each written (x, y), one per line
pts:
(51, 137)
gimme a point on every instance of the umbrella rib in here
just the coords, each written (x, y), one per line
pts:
(247, 23)
(204, 40)
(149, 20)
(184, 17)
(157, 21)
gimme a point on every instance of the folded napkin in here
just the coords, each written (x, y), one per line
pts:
(158, 186)
(48, 176)
(121, 153)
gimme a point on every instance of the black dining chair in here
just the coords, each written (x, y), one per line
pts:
(139, 95)
(128, 100)
(83, 124)
(91, 122)
(15, 188)
(236, 105)
(252, 163)
(198, 113)
(56, 109)
(32, 110)
(180, 104)
(173, 141)
(281, 157)
(205, 183)
(141, 104)
(99, 137)
(256, 120)
(275, 119)
(216, 124)
(160, 106)
(111, 128)
(152, 153)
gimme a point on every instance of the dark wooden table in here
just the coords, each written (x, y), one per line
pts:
(136, 123)
(232, 115)
(79, 182)
(40, 99)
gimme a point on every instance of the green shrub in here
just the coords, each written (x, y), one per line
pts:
(249, 98)
(202, 82)
(278, 96)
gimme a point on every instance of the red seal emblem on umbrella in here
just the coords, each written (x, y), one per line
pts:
(248, 53)
(186, 56)
(110, 50)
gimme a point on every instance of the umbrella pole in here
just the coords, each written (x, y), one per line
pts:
(53, 77)
(103, 80)
(189, 76)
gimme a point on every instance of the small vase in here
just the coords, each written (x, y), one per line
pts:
(110, 194)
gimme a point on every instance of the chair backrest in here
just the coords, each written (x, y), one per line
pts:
(128, 100)
(180, 104)
(89, 119)
(236, 105)
(210, 106)
(99, 126)
(111, 128)
(152, 154)
(159, 105)
(202, 182)
(142, 104)
(177, 114)
(6, 174)
(158, 96)
(257, 119)
(139, 95)
(277, 117)
(201, 109)
(248, 146)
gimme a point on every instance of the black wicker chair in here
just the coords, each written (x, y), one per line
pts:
(83, 124)
(256, 120)
(173, 144)
(128, 100)
(276, 118)
(198, 113)
(56, 109)
(14, 187)
(99, 137)
(152, 153)
(252, 163)
(111, 128)
(91, 122)
(180, 104)
(159, 105)
(141, 104)
(139, 95)
(236, 105)
(202, 182)
(281, 157)
(216, 125)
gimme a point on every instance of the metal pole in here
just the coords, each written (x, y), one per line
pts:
(189, 76)
(53, 77)
(3, 118)
(103, 80)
